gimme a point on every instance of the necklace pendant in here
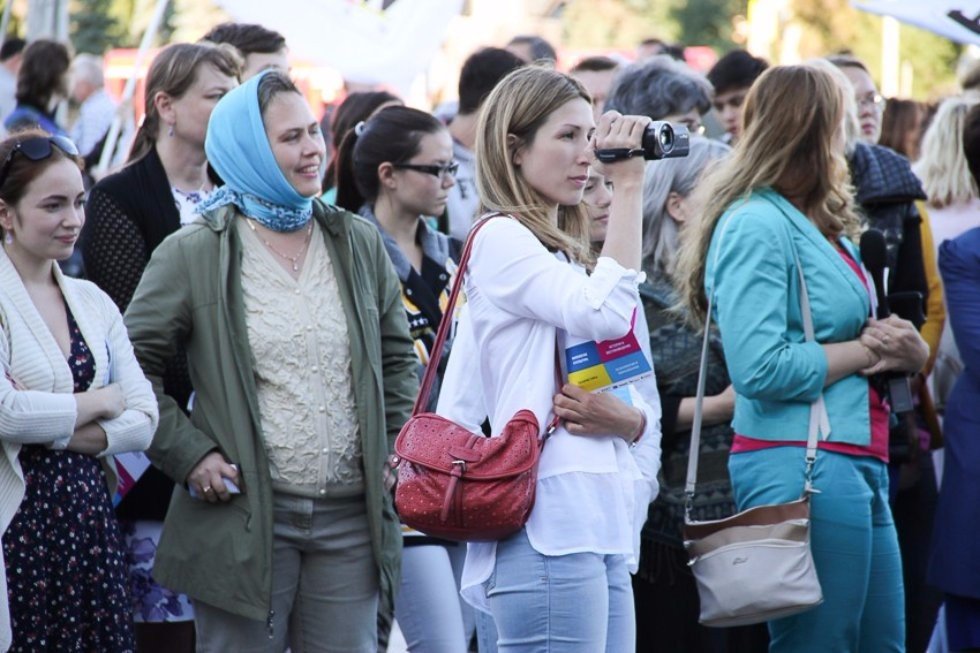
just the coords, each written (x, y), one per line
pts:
(295, 267)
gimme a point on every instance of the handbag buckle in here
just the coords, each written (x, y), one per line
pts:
(462, 465)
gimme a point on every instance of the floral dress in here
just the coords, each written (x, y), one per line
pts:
(66, 573)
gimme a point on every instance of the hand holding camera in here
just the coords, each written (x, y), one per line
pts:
(660, 140)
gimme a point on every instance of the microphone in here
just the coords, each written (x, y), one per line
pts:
(874, 256)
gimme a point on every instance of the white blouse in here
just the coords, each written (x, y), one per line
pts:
(592, 492)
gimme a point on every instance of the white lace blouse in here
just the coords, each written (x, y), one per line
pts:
(593, 492)
(297, 332)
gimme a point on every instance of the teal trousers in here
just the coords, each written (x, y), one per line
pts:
(854, 544)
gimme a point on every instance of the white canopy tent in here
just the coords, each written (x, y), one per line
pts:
(957, 20)
(365, 45)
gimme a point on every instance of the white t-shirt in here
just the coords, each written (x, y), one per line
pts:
(593, 492)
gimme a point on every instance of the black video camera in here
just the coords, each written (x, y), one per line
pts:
(661, 140)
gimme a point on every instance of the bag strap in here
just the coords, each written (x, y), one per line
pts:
(428, 378)
(819, 420)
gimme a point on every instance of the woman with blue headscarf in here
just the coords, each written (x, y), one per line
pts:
(280, 529)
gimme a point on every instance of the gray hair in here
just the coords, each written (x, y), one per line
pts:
(88, 68)
(660, 232)
(660, 87)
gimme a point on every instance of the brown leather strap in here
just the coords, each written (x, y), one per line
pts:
(428, 378)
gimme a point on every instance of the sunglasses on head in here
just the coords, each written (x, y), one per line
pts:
(37, 148)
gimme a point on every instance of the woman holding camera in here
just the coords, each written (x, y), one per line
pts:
(781, 202)
(562, 582)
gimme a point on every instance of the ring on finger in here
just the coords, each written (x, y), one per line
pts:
(207, 488)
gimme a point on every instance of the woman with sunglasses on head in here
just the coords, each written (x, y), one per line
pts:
(72, 395)
(280, 528)
(562, 582)
(130, 212)
(396, 169)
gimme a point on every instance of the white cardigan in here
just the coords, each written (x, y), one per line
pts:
(45, 414)
(593, 492)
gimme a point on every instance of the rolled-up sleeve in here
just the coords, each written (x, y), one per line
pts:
(752, 285)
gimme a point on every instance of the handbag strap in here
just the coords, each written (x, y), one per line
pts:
(428, 378)
(819, 420)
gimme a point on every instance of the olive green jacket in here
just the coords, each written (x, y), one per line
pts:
(191, 293)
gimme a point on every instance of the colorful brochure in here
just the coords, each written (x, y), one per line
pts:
(601, 365)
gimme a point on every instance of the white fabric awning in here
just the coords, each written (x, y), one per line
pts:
(364, 45)
(957, 20)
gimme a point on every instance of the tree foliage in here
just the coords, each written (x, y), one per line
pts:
(93, 28)
(831, 26)
(624, 23)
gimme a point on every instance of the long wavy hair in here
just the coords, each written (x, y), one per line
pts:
(793, 143)
(518, 106)
(942, 165)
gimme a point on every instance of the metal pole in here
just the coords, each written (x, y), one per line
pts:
(112, 138)
(890, 55)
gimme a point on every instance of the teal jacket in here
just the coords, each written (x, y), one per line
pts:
(191, 296)
(776, 374)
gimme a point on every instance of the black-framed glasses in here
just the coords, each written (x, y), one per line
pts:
(37, 148)
(450, 168)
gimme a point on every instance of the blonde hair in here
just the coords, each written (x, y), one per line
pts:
(942, 165)
(792, 117)
(517, 107)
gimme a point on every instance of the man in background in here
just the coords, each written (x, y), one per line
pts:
(261, 48)
(597, 75)
(732, 77)
(481, 72)
(96, 109)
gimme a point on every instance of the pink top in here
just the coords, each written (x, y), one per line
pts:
(877, 448)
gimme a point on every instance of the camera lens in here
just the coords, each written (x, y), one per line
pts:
(667, 138)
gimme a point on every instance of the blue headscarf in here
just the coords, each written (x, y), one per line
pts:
(238, 148)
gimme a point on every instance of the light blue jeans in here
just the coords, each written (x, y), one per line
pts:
(855, 549)
(429, 610)
(324, 585)
(575, 603)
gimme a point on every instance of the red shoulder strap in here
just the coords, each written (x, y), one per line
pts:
(446, 323)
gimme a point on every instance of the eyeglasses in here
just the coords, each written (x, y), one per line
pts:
(37, 148)
(449, 169)
(875, 100)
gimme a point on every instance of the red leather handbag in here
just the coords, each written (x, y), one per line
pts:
(456, 484)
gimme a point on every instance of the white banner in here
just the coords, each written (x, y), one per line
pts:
(364, 45)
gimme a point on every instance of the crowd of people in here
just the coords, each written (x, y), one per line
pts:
(252, 297)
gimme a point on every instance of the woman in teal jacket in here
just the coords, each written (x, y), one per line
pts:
(783, 194)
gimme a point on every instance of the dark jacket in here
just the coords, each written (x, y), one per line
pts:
(191, 293)
(886, 192)
(128, 214)
(955, 563)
